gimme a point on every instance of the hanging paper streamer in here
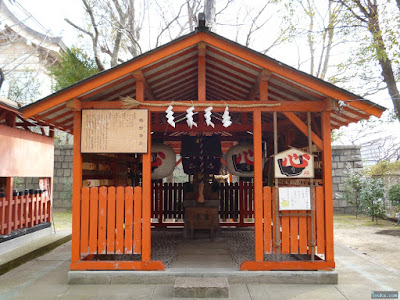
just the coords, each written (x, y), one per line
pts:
(189, 117)
(170, 116)
(207, 116)
(226, 118)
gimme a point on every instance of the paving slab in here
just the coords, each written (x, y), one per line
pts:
(46, 277)
(29, 247)
(201, 287)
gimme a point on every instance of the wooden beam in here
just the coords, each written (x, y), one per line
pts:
(327, 177)
(201, 72)
(261, 85)
(74, 104)
(103, 88)
(139, 76)
(303, 128)
(258, 185)
(289, 106)
(51, 132)
(76, 188)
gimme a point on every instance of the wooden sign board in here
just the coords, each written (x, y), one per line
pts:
(114, 131)
(294, 163)
(294, 198)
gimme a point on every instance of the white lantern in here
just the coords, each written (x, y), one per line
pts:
(240, 160)
(163, 161)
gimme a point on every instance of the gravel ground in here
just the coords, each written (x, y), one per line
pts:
(240, 243)
(164, 244)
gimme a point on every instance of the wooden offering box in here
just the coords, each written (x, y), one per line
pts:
(202, 218)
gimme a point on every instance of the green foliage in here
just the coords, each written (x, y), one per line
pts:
(371, 195)
(394, 195)
(352, 188)
(366, 193)
(75, 65)
(336, 134)
(384, 168)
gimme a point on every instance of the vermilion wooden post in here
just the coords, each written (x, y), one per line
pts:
(267, 219)
(3, 213)
(137, 221)
(93, 220)
(327, 176)
(76, 187)
(128, 219)
(84, 222)
(119, 221)
(111, 220)
(146, 183)
(258, 184)
(201, 81)
(9, 198)
(101, 243)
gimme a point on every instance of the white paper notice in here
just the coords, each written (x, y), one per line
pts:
(294, 198)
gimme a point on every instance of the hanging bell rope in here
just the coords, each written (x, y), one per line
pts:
(131, 103)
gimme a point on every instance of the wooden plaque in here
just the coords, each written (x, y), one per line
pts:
(114, 131)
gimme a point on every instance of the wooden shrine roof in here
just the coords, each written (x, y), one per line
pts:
(170, 73)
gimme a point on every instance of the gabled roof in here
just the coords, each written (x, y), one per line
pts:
(170, 73)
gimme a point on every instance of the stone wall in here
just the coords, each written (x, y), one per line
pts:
(342, 158)
(62, 181)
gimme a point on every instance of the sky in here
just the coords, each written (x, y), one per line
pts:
(51, 13)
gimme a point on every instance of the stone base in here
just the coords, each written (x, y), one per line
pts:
(201, 287)
(170, 275)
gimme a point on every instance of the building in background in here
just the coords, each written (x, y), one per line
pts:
(27, 50)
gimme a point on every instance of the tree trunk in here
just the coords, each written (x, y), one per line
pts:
(371, 13)
(385, 62)
(209, 11)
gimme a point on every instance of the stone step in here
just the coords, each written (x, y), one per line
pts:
(201, 287)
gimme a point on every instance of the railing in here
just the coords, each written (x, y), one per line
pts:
(236, 204)
(25, 209)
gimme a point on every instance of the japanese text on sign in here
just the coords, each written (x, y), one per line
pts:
(114, 131)
(294, 198)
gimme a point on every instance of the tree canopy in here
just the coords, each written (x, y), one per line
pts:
(75, 65)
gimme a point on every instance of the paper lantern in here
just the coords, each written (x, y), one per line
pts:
(240, 160)
(163, 160)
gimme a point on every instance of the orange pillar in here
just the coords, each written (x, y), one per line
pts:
(76, 187)
(146, 184)
(258, 185)
(327, 176)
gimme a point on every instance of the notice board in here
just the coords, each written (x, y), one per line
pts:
(294, 198)
(114, 131)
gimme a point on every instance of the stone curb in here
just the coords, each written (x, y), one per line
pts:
(8, 266)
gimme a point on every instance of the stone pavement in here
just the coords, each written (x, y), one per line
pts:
(46, 277)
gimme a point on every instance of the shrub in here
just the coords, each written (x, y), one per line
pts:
(366, 193)
(394, 195)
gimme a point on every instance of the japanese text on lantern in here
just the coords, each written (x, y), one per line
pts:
(114, 131)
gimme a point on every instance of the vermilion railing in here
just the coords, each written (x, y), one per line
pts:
(235, 203)
(25, 209)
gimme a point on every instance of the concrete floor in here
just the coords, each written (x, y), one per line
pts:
(46, 278)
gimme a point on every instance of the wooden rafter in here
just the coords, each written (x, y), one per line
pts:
(262, 79)
(303, 128)
(201, 73)
(139, 76)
